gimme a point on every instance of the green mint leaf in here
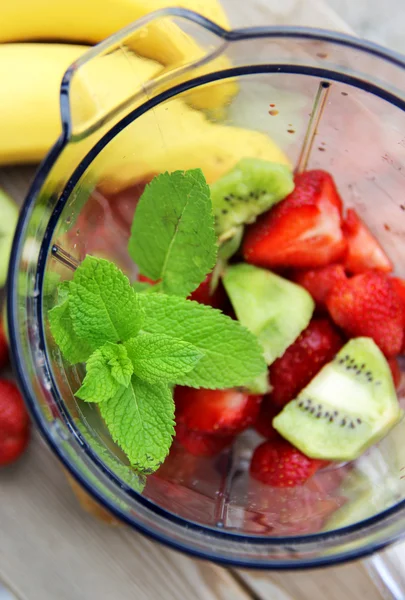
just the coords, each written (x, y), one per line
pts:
(140, 419)
(157, 357)
(173, 239)
(106, 370)
(232, 355)
(140, 286)
(102, 304)
(73, 348)
(133, 479)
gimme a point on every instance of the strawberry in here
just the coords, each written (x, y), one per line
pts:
(399, 287)
(202, 294)
(395, 371)
(319, 282)
(368, 305)
(124, 202)
(222, 412)
(4, 356)
(363, 250)
(264, 422)
(202, 444)
(302, 231)
(293, 511)
(279, 464)
(14, 423)
(316, 346)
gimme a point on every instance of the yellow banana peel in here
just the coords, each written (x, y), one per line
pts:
(90, 21)
(30, 120)
(171, 136)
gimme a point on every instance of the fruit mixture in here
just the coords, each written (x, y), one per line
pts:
(331, 323)
(313, 288)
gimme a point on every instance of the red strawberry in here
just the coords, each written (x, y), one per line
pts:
(202, 444)
(363, 250)
(279, 464)
(395, 371)
(368, 305)
(319, 282)
(316, 346)
(203, 294)
(124, 202)
(4, 356)
(14, 423)
(302, 231)
(222, 412)
(399, 287)
(264, 421)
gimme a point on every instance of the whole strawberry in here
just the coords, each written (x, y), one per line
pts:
(316, 346)
(279, 464)
(319, 282)
(368, 305)
(14, 423)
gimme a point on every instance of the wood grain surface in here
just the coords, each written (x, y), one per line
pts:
(50, 549)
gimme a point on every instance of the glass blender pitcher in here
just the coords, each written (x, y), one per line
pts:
(327, 101)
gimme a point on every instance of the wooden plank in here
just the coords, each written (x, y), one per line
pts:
(349, 581)
(50, 549)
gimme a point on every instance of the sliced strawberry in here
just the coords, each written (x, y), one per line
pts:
(363, 250)
(316, 346)
(279, 464)
(319, 282)
(302, 231)
(395, 371)
(202, 444)
(222, 412)
(14, 423)
(368, 305)
(264, 421)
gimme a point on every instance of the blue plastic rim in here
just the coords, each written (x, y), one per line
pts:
(289, 543)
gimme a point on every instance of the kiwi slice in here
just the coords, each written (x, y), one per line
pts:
(9, 218)
(250, 188)
(348, 406)
(273, 308)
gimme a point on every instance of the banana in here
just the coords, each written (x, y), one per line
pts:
(90, 21)
(171, 136)
(30, 120)
(175, 136)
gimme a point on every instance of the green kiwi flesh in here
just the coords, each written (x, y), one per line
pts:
(348, 406)
(273, 308)
(250, 188)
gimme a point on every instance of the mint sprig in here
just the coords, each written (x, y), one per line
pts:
(173, 239)
(137, 344)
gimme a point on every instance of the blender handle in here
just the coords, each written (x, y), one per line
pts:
(387, 572)
(87, 104)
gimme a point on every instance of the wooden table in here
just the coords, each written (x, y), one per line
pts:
(50, 549)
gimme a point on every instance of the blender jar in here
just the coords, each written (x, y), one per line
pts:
(315, 99)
